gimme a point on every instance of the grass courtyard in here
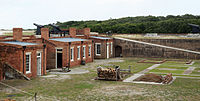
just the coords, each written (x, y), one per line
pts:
(83, 87)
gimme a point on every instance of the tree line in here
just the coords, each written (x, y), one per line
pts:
(139, 24)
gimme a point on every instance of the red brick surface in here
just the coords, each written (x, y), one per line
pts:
(72, 32)
(51, 58)
(103, 48)
(45, 33)
(13, 55)
(17, 34)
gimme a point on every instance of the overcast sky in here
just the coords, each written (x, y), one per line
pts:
(23, 13)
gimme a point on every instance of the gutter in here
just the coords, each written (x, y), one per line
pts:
(69, 54)
(24, 47)
(44, 59)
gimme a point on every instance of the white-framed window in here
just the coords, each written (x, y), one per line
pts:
(89, 50)
(72, 53)
(84, 51)
(78, 52)
(98, 48)
(111, 46)
(28, 62)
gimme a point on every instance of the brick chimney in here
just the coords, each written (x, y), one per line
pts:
(86, 32)
(17, 34)
(72, 32)
(45, 33)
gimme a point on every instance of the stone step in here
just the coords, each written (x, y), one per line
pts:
(55, 70)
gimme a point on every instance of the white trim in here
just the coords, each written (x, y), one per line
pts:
(58, 48)
(56, 55)
(78, 52)
(108, 51)
(84, 48)
(96, 49)
(28, 53)
(89, 50)
(72, 54)
(39, 52)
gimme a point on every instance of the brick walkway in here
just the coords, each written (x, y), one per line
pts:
(189, 70)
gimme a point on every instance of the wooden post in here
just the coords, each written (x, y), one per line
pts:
(35, 96)
(129, 67)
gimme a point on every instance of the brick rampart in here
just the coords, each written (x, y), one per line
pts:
(132, 49)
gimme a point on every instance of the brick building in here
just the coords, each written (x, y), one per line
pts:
(103, 47)
(67, 51)
(27, 58)
(32, 55)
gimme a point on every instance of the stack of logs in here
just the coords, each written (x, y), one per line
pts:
(108, 73)
(167, 79)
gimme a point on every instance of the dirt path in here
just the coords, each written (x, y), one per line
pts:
(80, 70)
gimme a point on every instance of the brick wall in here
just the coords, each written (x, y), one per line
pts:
(1, 71)
(17, 34)
(45, 33)
(14, 57)
(34, 61)
(11, 55)
(190, 44)
(131, 49)
(72, 32)
(103, 48)
(65, 46)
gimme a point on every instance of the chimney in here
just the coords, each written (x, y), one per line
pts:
(17, 34)
(45, 33)
(86, 32)
(72, 32)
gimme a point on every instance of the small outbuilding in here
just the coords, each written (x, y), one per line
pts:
(103, 47)
(67, 51)
(24, 57)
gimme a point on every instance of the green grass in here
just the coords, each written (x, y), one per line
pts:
(24, 33)
(83, 87)
(135, 67)
(172, 67)
(196, 71)
(153, 61)
(167, 71)
(174, 63)
(196, 64)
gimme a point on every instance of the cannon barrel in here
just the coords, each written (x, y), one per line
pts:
(38, 25)
(55, 27)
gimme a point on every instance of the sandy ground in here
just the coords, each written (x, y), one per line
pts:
(79, 70)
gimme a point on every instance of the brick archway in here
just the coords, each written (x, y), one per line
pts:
(118, 51)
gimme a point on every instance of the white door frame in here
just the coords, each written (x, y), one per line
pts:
(108, 51)
(40, 68)
(56, 56)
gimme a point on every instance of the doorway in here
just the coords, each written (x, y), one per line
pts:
(39, 65)
(59, 58)
(118, 51)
